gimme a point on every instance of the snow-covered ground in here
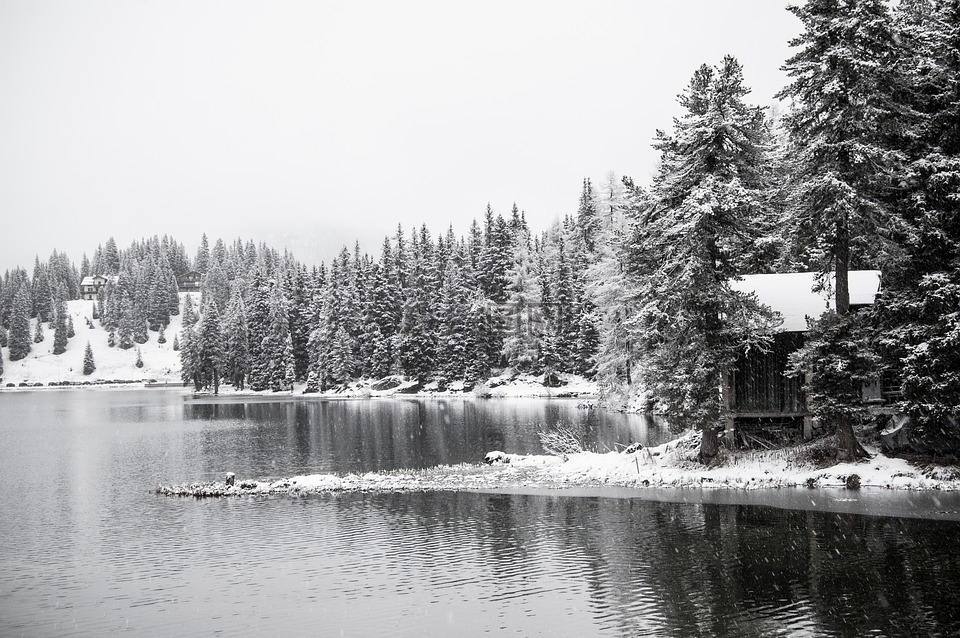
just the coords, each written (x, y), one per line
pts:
(671, 465)
(505, 385)
(160, 361)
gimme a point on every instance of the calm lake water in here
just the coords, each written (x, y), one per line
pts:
(86, 547)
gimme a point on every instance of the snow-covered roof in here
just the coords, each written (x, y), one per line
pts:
(91, 280)
(793, 296)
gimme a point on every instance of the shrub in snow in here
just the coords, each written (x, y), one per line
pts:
(481, 391)
(562, 439)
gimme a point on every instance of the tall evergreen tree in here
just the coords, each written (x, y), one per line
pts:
(19, 337)
(236, 358)
(691, 323)
(843, 126)
(60, 327)
(88, 363)
(208, 349)
(915, 316)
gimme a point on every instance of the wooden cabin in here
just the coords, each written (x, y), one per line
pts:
(756, 391)
(189, 281)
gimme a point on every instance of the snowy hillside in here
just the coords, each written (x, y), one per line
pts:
(160, 361)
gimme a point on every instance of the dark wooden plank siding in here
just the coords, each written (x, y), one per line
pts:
(759, 384)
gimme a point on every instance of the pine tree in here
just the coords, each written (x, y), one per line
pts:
(176, 343)
(38, 335)
(258, 327)
(843, 123)
(236, 358)
(60, 328)
(915, 318)
(162, 337)
(278, 346)
(208, 349)
(189, 313)
(71, 332)
(88, 365)
(42, 292)
(110, 264)
(112, 338)
(139, 362)
(189, 369)
(202, 261)
(521, 347)
(690, 323)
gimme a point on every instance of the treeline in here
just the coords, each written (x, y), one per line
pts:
(861, 170)
(442, 309)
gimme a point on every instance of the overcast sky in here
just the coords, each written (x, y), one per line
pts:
(316, 122)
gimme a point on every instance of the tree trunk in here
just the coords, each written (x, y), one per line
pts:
(709, 444)
(848, 447)
(842, 269)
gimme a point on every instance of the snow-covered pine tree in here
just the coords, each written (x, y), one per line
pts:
(38, 334)
(60, 327)
(42, 292)
(258, 328)
(110, 262)
(126, 327)
(71, 332)
(842, 126)
(214, 286)
(452, 324)
(161, 336)
(88, 364)
(201, 261)
(189, 370)
(690, 323)
(341, 361)
(189, 311)
(236, 359)
(416, 340)
(139, 362)
(208, 349)
(521, 346)
(915, 316)
(609, 288)
(278, 346)
(176, 343)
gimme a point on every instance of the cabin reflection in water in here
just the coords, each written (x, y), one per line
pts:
(758, 396)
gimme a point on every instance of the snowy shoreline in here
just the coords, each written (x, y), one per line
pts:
(668, 466)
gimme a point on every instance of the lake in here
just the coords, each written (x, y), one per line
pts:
(87, 548)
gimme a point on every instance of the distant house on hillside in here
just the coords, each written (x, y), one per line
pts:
(756, 392)
(91, 285)
(189, 281)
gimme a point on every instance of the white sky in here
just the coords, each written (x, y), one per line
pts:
(316, 122)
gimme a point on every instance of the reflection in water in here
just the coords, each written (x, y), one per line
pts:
(88, 548)
(354, 436)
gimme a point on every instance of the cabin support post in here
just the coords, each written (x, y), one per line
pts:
(807, 417)
(726, 395)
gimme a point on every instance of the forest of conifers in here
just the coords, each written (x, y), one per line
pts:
(859, 168)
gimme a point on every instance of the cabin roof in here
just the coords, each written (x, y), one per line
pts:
(793, 295)
(91, 280)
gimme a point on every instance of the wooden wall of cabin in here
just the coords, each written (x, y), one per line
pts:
(759, 384)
